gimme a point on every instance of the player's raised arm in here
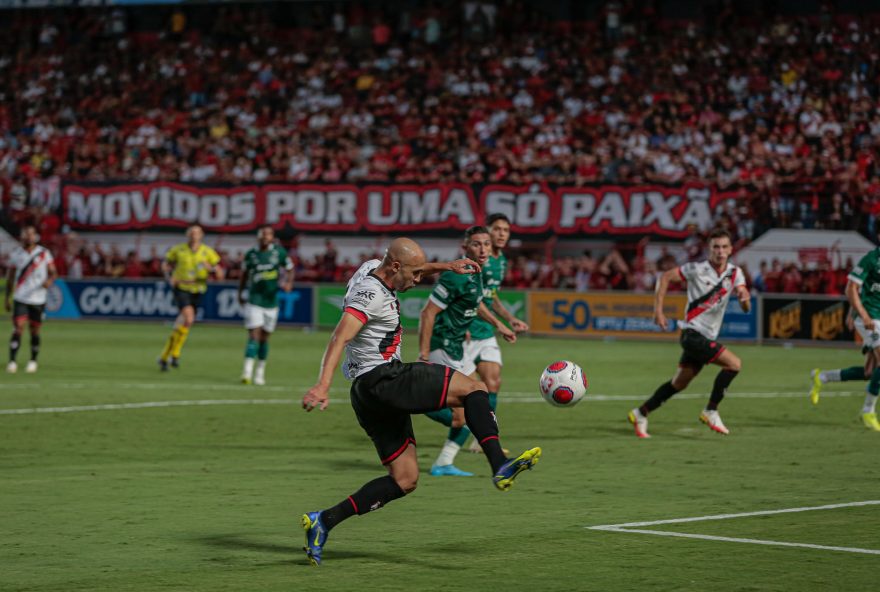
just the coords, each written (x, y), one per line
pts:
(660, 295)
(346, 330)
(484, 313)
(462, 266)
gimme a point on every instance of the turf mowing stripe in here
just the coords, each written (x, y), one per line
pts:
(517, 398)
(631, 527)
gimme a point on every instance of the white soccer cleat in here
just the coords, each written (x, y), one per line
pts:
(259, 378)
(639, 422)
(31, 367)
(713, 420)
(11, 368)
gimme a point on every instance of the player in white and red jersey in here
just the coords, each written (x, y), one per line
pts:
(710, 284)
(31, 273)
(385, 392)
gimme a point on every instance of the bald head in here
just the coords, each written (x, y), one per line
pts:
(405, 251)
(402, 266)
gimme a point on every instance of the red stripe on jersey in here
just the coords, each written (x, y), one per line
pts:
(356, 314)
(446, 379)
(392, 347)
(399, 451)
(681, 275)
(30, 269)
(694, 313)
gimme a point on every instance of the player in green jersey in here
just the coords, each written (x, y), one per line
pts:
(445, 320)
(863, 293)
(481, 350)
(261, 270)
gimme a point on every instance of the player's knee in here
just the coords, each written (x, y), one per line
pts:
(479, 385)
(493, 384)
(407, 483)
(735, 365)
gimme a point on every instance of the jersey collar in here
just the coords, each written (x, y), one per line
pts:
(381, 281)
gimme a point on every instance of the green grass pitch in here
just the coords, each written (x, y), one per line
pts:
(208, 497)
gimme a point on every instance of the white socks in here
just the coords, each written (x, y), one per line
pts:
(447, 454)
(248, 368)
(870, 403)
(827, 376)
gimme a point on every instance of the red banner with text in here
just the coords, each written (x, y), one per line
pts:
(538, 210)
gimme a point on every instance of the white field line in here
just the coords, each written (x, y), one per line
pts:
(633, 528)
(509, 397)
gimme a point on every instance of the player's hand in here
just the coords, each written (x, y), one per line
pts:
(519, 326)
(464, 266)
(869, 323)
(508, 335)
(316, 397)
(660, 320)
(745, 304)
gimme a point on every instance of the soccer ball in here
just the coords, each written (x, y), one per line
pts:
(563, 384)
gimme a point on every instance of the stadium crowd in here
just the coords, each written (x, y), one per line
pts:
(782, 112)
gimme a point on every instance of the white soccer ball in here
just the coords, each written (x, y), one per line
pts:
(563, 384)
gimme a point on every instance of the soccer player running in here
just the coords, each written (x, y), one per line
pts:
(261, 269)
(481, 351)
(31, 274)
(187, 266)
(455, 303)
(709, 286)
(863, 293)
(385, 392)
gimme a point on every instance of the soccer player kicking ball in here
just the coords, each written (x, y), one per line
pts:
(31, 274)
(385, 392)
(187, 267)
(481, 351)
(261, 269)
(864, 299)
(452, 308)
(709, 286)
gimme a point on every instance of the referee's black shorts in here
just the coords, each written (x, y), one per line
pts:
(698, 350)
(385, 397)
(183, 298)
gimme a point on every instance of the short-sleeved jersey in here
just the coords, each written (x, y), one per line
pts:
(262, 268)
(866, 274)
(376, 306)
(494, 272)
(708, 293)
(459, 297)
(31, 272)
(191, 268)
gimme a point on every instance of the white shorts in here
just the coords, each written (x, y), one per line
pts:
(439, 356)
(257, 317)
(480, 350)
(870, 339)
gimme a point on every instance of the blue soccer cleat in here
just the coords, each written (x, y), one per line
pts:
(316, 536)
(449, 471)
(503, 479)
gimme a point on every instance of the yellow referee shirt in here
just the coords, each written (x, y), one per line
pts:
(191, 267)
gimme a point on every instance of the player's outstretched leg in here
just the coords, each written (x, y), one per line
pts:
(869, 408)
(372, 496)
(709, 415)
(481, 421)
(14, 344)
(821, 377)
(638, 416)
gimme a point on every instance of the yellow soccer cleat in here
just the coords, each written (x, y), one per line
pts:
(870, 421)
(503, 479)
(817, 386)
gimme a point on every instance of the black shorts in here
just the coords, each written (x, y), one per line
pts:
(385, 397)
(182, 298)
(697, 350)
(33, 312)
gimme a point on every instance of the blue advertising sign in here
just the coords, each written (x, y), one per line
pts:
(739, 324)
(150, 299)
